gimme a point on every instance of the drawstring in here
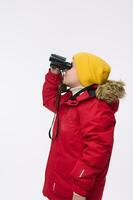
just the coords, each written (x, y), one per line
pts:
(62, 88)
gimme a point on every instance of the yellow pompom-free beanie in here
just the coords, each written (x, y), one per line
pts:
(91, 69)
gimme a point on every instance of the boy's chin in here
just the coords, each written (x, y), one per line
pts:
(66, 83)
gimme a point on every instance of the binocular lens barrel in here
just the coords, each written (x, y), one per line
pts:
(57, 58)
(59, 62)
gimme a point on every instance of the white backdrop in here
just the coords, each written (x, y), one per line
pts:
(30, 30)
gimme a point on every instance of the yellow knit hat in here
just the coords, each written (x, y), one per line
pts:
(91, 69)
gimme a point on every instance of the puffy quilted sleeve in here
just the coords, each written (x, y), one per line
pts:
(97, 134)
(49, 90)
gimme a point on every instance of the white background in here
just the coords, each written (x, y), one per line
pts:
(30, 30)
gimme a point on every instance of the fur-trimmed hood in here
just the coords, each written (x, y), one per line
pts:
(111, 91)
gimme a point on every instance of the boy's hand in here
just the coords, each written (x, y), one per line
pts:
(78, 197)
(55, 71)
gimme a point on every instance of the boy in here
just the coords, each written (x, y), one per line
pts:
(80, 154)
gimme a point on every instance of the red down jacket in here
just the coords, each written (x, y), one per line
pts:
(79, 157)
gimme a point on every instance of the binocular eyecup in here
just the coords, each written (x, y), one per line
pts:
(59, 62)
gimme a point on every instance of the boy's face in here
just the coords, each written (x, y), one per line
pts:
(70, 77)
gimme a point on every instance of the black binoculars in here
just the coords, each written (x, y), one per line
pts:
(59, 62)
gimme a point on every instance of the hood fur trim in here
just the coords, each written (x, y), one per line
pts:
(111, 91)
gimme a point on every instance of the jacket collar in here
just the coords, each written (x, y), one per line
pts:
(85, 93)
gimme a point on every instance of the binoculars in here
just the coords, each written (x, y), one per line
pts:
(59, 62)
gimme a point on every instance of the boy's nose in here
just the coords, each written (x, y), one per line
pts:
(65, 70)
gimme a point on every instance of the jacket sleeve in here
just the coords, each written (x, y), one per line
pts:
(97, 135)
(49, 90)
